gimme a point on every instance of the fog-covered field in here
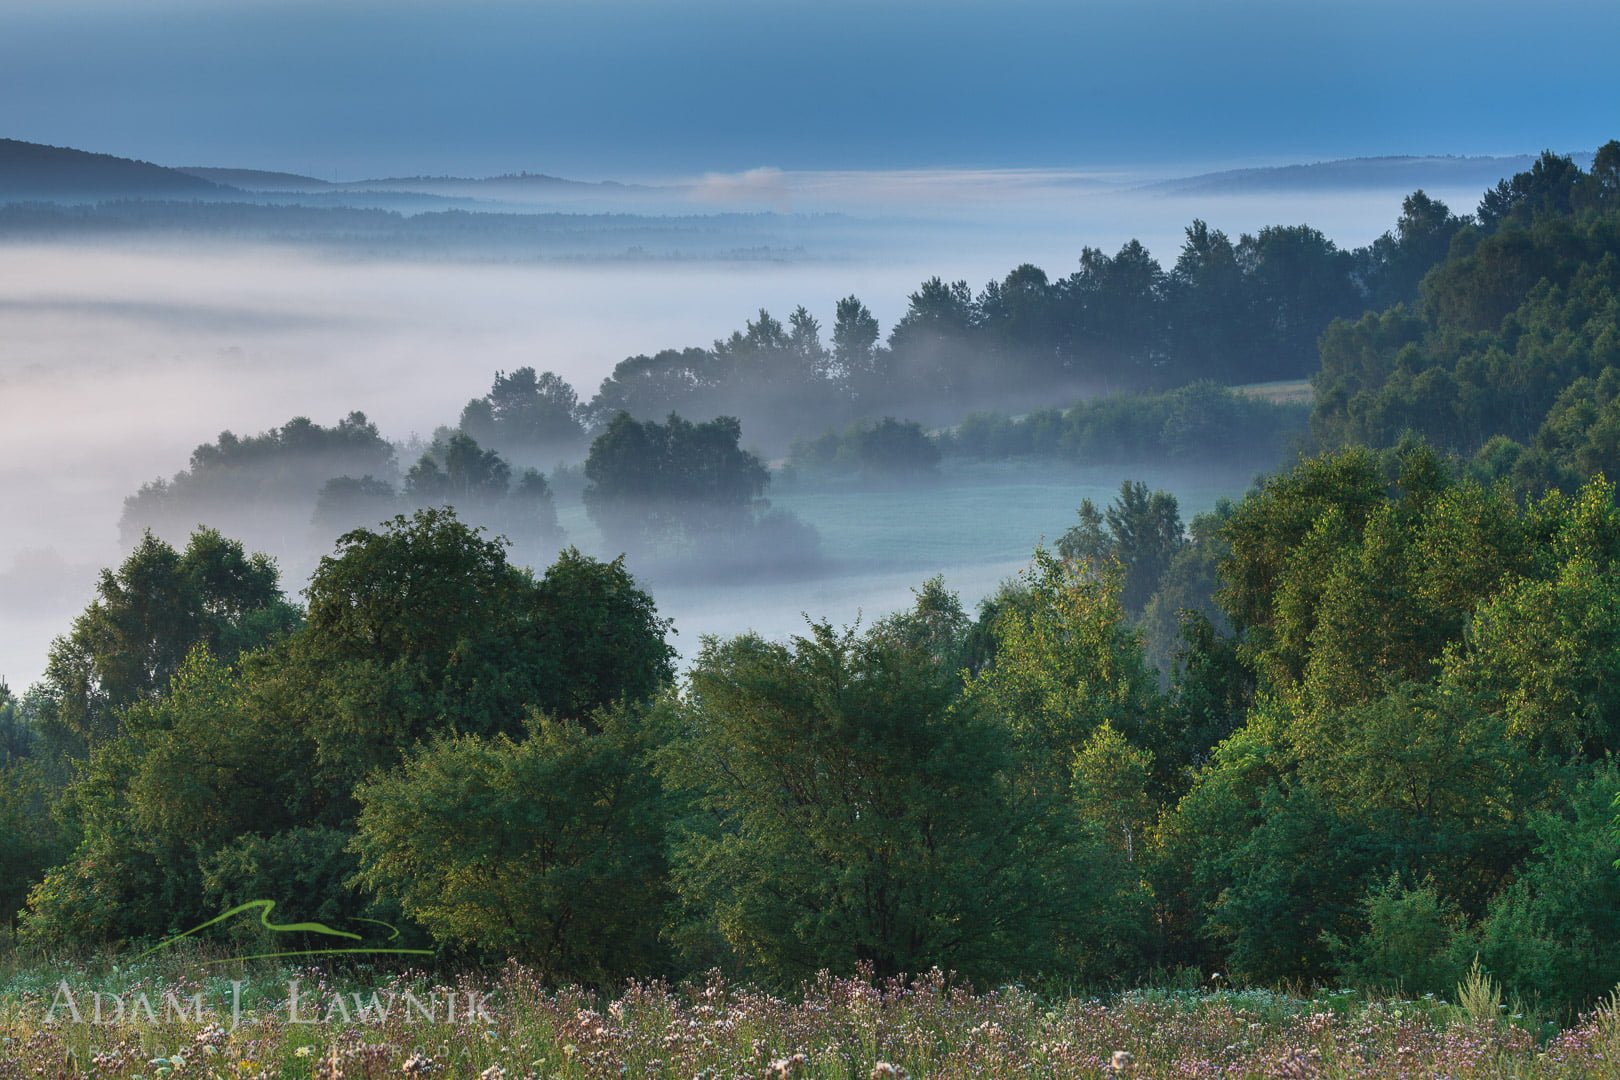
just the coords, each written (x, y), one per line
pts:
(975, 526)
(118, 358)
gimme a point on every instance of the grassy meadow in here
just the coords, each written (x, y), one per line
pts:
(360, 1021)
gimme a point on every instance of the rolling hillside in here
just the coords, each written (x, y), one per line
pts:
(35, 171)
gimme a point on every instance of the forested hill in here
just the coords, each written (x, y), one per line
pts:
(1352, 174)
(514, 186)
(257, 179)
(1511, 356)
(35, 171)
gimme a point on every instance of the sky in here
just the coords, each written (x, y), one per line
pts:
(657, 88)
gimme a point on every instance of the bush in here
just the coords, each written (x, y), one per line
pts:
(1202, 422)
(1416, 941)
(549, 848)
(888, 447)
(1555, 932)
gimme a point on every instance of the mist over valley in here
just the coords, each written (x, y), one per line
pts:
(144, 328)
(809, 539)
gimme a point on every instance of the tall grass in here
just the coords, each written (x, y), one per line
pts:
(833, 1027)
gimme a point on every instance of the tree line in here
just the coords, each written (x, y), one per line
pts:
(1384, 750)
(1227, 312)
(650, 487)
(1508, 358)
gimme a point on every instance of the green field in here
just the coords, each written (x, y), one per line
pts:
(976, 524)
(1280, 392)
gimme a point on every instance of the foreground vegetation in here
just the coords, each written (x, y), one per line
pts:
(1385, 750)
(859, 1027)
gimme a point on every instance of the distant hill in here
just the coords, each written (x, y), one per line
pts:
(32, 172)
(517, 186)
(1373, 173)
(257, 179)
(419, 182)
(35, 171)
(522, 189)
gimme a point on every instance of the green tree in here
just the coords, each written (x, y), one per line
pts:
(1141, 530)
(1112, 779)
(1292, 886)
(1066, 661)
(1433, 773)
(1211, 325)
(529, 513)
(1547, 187)
(1211, 691)
(458, 471)
(887, 448)
(1187, 587)
(1421, 239)
(191, 773)
(1088, 540)
(308, 870)
(1554, 932)
(248, 485)
(673, 480)
(601, 638)
(1602, 187)
(1543, 654)
(1416, 941)
(1300, 281)
(425, 628)
(17, 736)
(932, 346)
(526, 413)
(1021, 319)
(1510, 320)
(549, 848)
(1113, 316)
(31, 841)
(779, 376)
(1321, 500)
(1147, 533)
(646, 387)
(239, 783)
(855, 352)
(1198, 843)
(345, 503)
(147, 615)
(935, 623)
(846, 810)
(804, 342)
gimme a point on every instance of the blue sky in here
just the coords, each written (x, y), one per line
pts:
(654, 88)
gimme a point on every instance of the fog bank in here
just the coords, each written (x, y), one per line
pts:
(117, 359)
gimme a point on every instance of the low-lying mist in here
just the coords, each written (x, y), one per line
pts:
(117, 358)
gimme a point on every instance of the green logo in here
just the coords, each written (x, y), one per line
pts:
(264, 908)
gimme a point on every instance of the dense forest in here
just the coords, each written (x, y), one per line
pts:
(1229, 311)
(1357, 726)
(1510, 357)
